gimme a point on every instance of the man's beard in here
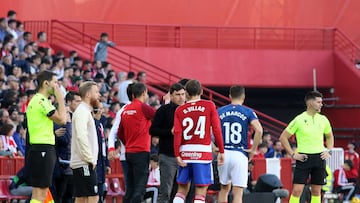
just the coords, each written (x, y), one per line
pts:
(94, 102)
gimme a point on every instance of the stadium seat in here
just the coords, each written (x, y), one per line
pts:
(113, 192)
(4, 195)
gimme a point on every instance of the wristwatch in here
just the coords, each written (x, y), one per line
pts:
(329, 151)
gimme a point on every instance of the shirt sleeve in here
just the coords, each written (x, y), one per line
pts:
(80, 126)
(157, 127)
(252, 116)
(46, 107)
(148, 111)
(114, 130)
(292, 127)
(327, 128)
(177, 134)
(215, 124)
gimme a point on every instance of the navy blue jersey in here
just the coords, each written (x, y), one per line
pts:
(235, 120)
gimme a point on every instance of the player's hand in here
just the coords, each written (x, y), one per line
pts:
(300, 157)
(172, 130)
(215, 149)
(325, 155)
(221, 159)
(57, 92)
(94, 166)
(250, 152)
(111, 155)
(60, 132)
(180, 162)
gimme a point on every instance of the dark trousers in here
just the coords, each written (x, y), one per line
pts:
(64, 189)
(137, 176)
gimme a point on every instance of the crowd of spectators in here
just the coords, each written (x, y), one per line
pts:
(22, 57)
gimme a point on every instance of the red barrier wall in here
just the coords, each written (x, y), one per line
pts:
(265, 68)
(304, 13)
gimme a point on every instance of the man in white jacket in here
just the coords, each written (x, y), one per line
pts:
(84, 145)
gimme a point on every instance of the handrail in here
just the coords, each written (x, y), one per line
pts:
(62, 33)
(344, 45)
(210, 36)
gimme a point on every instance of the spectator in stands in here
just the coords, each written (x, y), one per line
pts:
(262, 149)
(6, 132)
(14, 115)
(67, 63)
(251, 182)
(351, 154)
(341, 183)
(269, 143)
(6, 49)
(79, 62)
(134, 133)
(13, 83)
(154, 147)
(103, 164)
(18, 185)
(11, 15)
(141, 77)
(58, 67)
(277, 151)
(42, 41)
(3, 152)
(154, 179)
(72, 55)
(19, 28)
(87, 75)
(100, 51)
(20, 137)
(28, 50)
(12, 28)
(14, 52)
(4, 117)
(122, 95)
(3, 29)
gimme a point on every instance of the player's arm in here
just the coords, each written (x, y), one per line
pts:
(329, 141)
(177, 139)
(215, 124)
(258, 129)
(59, 116)
(284, 139)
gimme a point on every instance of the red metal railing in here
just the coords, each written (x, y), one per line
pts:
(210, 37)
(70, 38)
(345, 46)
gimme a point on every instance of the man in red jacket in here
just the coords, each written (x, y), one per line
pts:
(134, 133)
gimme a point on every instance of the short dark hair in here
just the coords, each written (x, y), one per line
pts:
(193, 88)
(11, 13)
(44, 76)
(176, 87)
(40, 34)
(72, 52)
(104, 34)
(236, 91)
(138, 89)
(183, 81)
(70, 96)
(154, 157)
(6, 128)
(129, 91)
(26, 33)
(11, 21)
(349, 163)
(262, 145)
(130, 75)
(312, 95)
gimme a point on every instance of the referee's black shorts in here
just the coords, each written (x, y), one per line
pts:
(313, 166)
(41, 159)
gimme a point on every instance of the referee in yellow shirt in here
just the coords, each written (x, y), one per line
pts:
(41, 115)
(310, 127)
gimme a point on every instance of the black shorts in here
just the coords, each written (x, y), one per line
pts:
(85, 181)
(41, 159)
(313, 166)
